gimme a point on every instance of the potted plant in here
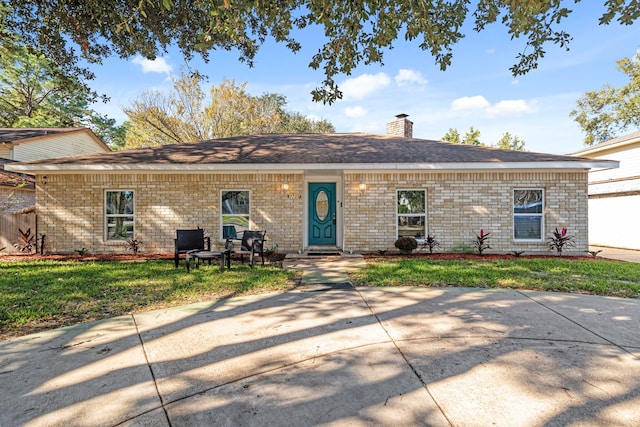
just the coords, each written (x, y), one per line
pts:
(406, 244)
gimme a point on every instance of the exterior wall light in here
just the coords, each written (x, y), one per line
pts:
(285, 184)
(363, 186)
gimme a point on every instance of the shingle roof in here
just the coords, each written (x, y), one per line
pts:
(633, 137)
(310, 148)
(8, 135)
(13, 179)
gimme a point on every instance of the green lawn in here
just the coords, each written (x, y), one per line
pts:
(36, 295)
(598, 277)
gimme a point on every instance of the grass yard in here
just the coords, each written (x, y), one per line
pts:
(36, 295)
(45, 294)
(597, 277)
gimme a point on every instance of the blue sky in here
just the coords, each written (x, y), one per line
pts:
(476, 90)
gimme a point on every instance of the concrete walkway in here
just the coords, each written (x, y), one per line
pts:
(616, 253)
(337, 355)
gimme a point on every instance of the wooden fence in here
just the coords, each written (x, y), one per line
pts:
(10, 224)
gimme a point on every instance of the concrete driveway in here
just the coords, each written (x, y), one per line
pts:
(357, 357)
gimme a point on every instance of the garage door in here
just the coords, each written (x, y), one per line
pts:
(615, 222)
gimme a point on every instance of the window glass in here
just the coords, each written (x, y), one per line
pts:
(411, 213)
(119, 215)
(528, 209)
(235, 213)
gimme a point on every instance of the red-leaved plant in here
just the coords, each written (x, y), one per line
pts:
(480, 242)
(430, 242)
(560, 239)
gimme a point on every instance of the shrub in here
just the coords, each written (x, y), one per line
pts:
(134, 245)
(431, 243)
(27, 241)
(82, 251)
(406, 243)
(560, 239)
(480, 242)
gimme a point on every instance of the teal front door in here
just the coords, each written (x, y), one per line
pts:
(322, 213)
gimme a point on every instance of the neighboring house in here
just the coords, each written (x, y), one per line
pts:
(17, 190)
(19, 144)
(614, 194)
(350, 192)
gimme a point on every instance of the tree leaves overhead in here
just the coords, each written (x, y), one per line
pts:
(606, 113)
(357, 32)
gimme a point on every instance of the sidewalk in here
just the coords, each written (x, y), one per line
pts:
(616, 253)
(337, 355)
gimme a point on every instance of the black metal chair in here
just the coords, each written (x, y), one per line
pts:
(189, 240)
(252, 244)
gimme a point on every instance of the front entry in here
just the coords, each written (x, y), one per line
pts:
(322, 213)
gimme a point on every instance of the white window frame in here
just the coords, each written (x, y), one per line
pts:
(244, 203)
(107, 215)
(515, 215)
(423, 214)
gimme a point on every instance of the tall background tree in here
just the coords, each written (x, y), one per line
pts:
(35, 92)
(606, 113)
(185, 114)
(510, 142)
(356, 32)
(472, 137)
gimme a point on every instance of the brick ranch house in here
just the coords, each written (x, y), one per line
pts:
(348, 192)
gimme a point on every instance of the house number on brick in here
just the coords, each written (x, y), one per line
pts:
(294, 196)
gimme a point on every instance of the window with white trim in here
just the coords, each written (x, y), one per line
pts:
(528, 214)
(411, 213)
(235, 212)
(119, 212)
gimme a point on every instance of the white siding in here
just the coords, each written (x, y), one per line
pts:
(68, 144)
(614, 195)
(622, 177)
(613, 221)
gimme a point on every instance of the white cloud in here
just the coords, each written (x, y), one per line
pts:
(364, 85)
(512, 107)
(470, 103)
(355, 112)
(406, 77)
(158, 65)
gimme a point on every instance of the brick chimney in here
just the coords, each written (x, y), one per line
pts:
(400, 127)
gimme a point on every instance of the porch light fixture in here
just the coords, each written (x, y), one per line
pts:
(363, 186)
(285, 184)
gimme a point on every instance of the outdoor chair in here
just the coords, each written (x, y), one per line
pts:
(229, 232)
(190, 240)
(252, 244)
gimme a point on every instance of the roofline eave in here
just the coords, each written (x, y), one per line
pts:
(289, 167)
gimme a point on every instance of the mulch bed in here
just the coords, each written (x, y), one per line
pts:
(130, 257)
(85, 257)
(463, 256)
(124, 257)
